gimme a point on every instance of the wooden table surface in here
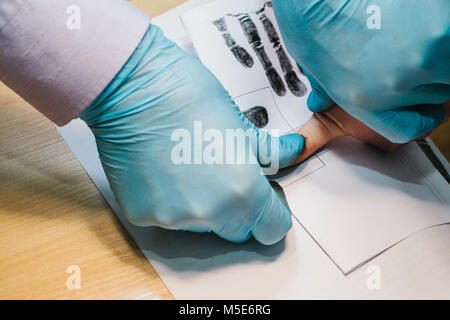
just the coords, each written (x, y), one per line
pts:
(53, 217)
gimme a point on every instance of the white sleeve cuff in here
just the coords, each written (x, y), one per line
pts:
(60, 55)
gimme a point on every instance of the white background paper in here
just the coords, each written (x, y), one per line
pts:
(199, 266)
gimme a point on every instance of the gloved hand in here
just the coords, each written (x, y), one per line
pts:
(393, 79)
(138, 122)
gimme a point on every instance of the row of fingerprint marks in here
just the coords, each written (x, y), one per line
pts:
(295, 85)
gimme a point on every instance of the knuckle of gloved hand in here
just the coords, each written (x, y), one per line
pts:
(233, 200)
(244, 189)
(173, 215)
(145, 215)
(236, 193)
(238, 198)
(201, 210)
(356, 97)
(141, 217)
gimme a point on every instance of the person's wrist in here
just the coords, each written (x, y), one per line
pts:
(99, 108)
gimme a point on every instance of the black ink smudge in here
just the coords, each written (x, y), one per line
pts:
(297, 87)
(258, 116)
(221, 24)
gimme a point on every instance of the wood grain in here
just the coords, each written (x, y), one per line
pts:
(52, 216)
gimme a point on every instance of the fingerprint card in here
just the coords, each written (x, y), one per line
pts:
(240, 42)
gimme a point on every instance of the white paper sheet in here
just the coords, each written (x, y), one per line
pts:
(208, 27)
(363, 201)
(399, 194)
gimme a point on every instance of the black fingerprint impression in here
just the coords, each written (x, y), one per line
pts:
(239, 53)
(258, 116)
(254, 39)
(295, 85)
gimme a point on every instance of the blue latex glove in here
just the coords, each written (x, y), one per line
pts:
(393, 79)
(162, 89)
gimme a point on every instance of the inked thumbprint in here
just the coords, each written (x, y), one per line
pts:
(258, 116)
